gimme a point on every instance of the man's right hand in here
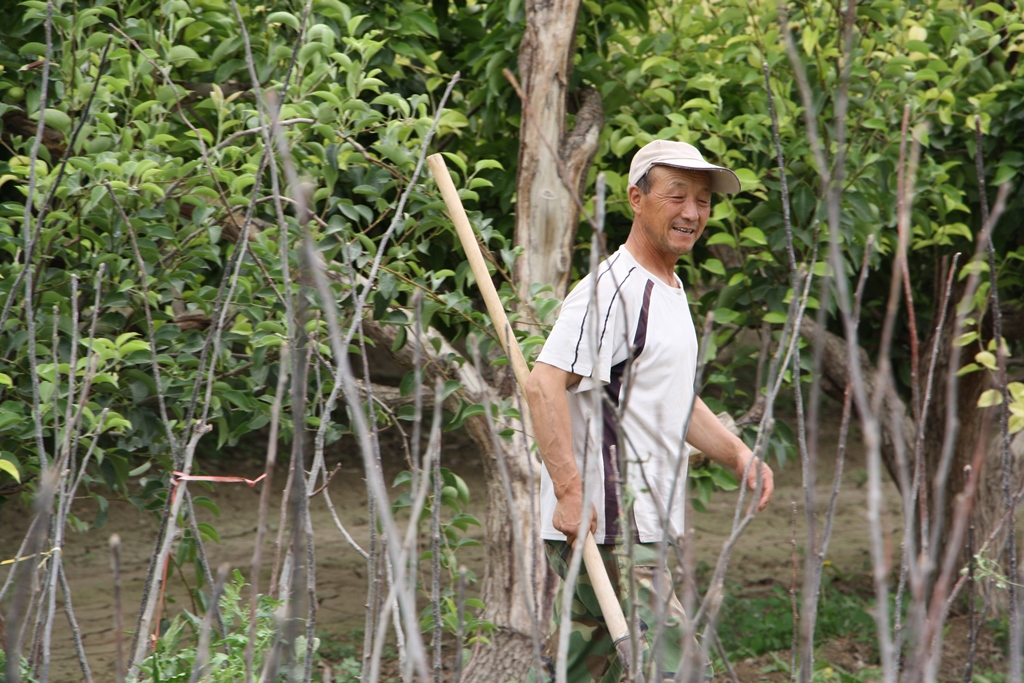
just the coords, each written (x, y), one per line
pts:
(569, 513)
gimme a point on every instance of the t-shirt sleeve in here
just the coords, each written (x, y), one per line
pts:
(582, 339)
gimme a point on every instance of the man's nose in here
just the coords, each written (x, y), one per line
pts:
(689, 209)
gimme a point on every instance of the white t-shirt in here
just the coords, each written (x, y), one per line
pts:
(634, 343)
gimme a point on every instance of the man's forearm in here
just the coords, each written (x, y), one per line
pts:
(547, 395)
(710, 436)
(724, 447)
(552, 428)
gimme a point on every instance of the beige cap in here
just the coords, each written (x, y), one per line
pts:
(680, 155)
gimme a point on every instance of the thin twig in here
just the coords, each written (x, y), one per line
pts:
(261, 521)
(115, 568)
(258, 130)
(1016, 661)
(972, 612)
(161, 556)
(793, 592)
(25, 573)
(435, 528)
(460, 606)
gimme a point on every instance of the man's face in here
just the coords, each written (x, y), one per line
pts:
(673, 214)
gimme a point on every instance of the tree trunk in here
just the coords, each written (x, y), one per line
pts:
(518, 588)
(553, 162)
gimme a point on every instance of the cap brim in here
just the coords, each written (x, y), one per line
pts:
(722, 179)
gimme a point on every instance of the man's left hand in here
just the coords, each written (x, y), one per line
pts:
(759, 469)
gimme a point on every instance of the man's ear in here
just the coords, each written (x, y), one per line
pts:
(634, 198)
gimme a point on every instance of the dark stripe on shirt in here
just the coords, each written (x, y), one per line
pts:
(610, 440)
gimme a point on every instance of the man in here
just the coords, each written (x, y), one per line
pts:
(625, 337)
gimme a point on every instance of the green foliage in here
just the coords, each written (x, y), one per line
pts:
(707, 478)
(343, 656)
(175, 653)
(147, 213)
(990, 677)
(755, 625)
(347, 670)
(25, 673)
(825, 672)
(454, 499)
(454, 529)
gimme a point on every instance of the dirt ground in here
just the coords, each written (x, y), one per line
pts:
(763, 557)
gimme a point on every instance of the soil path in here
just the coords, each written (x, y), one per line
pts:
(763, 556)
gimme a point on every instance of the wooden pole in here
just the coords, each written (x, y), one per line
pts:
(610, 607)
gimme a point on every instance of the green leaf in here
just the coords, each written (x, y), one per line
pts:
(748, 179)
(421, 22)
(38, 49)
(986, 358)
(965, 338)
(208, 531)
(179, 54)
(991, 397)
(485, 164)
(809, 40)
(9, 467)
(1004, 174)
(715, 266)
(286, 18)
(141, 469)
(1016, 423)
(699, 103)
(623, 145)
(55, 118)
(755, 235)
(722, 238)
(968, 369)
(723, 479)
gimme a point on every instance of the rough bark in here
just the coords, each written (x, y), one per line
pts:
(518, 587)
(553, 160)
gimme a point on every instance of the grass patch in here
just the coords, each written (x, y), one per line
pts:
(753, 625)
